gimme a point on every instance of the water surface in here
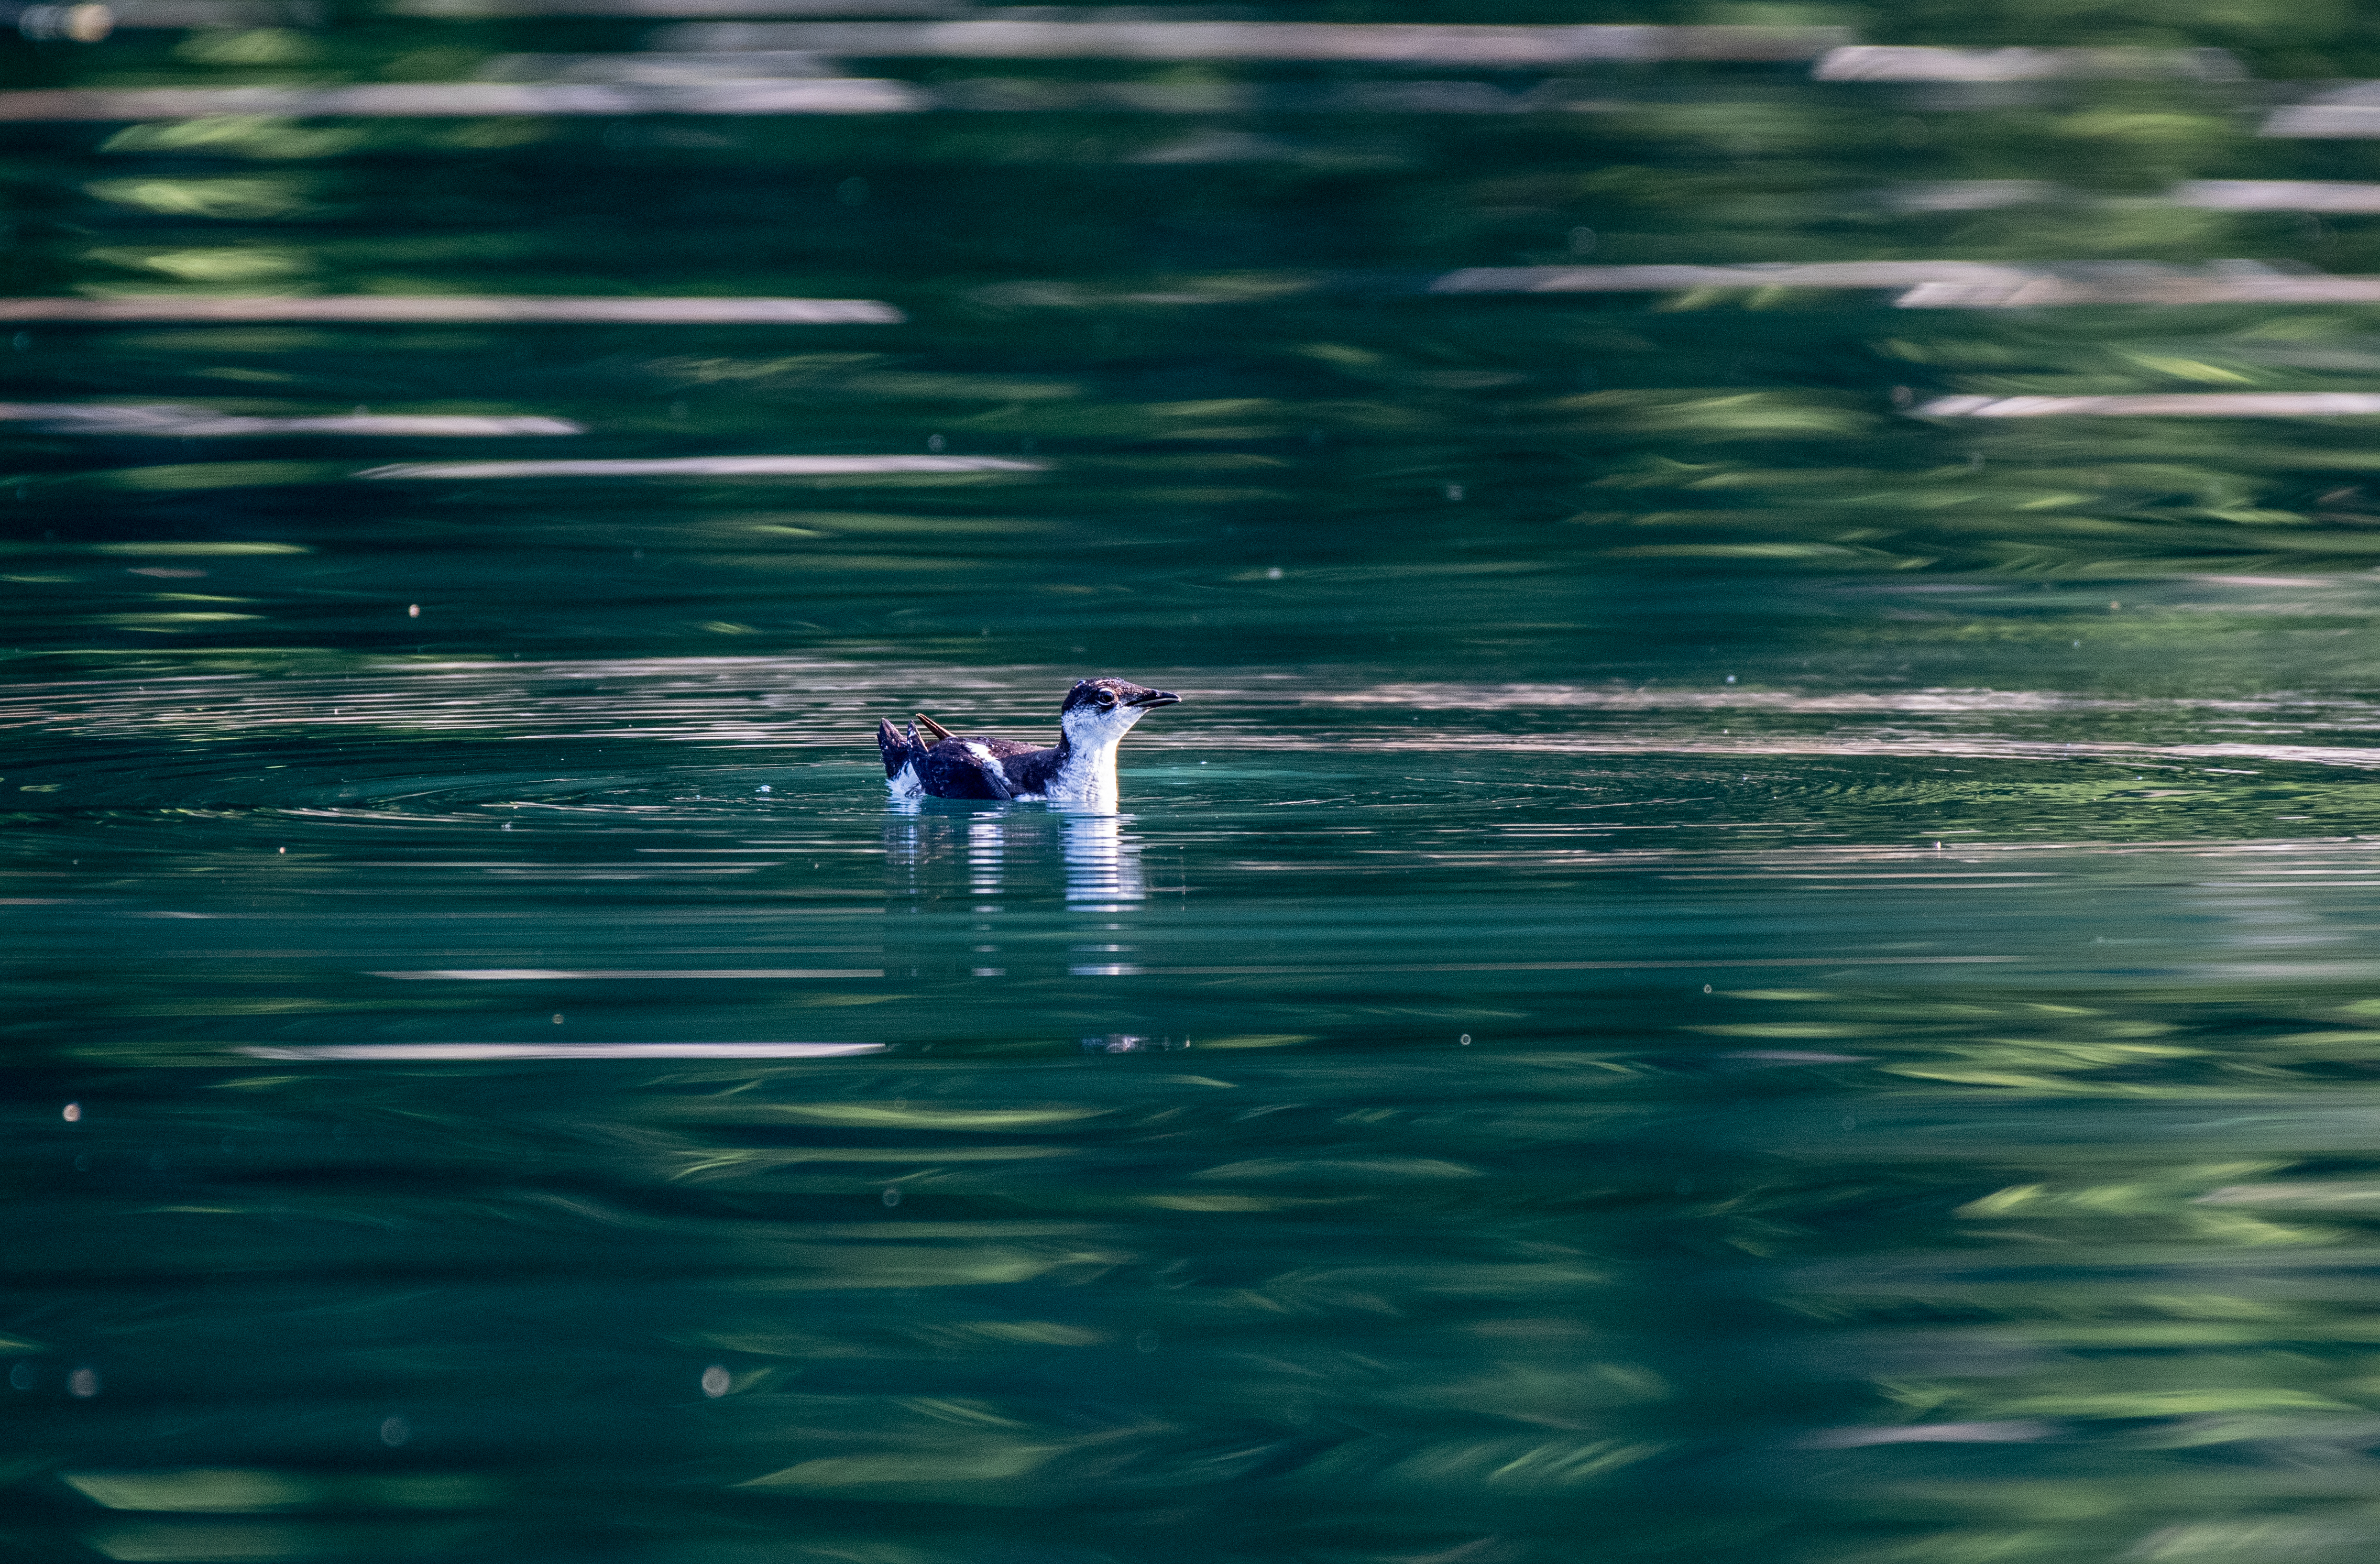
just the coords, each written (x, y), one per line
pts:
(1723, 959)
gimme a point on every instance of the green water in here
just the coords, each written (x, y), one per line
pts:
(1709, 968)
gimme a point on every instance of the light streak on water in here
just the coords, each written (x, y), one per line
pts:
(705, 467)
(1892, 62)
(459, 1052)
(171, 422)
(2277, 195)
(1041, 36)
(1944, 284)
(443, 100)
(2180, 404)
(455, 309)
(556, 975)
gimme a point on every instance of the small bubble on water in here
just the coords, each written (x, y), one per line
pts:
(716, 1381)
(1467, 1040)
(413, 611)
(395, 1431)
(892, 1198)
(24, 1375)
(83, 1383)
(1454, 492)
(1850, 1123)
(762, 788)
(557, 1020)
(935, 443)
(1145, 1342)
(73, 1114)
(1706, 988)
(1273, 574)
(1731, 678)
(82, 1163)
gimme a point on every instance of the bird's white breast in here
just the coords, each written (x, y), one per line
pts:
(1088, 777)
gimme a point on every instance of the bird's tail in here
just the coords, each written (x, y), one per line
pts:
(899, 748)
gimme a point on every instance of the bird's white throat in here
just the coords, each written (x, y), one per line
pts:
(1088, 777)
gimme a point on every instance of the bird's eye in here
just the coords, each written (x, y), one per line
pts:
(1106, 697)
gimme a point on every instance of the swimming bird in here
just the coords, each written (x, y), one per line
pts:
(1080, 768)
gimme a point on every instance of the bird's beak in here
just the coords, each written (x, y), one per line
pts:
(1155, 698)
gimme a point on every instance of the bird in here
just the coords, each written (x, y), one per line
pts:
(1078, 769)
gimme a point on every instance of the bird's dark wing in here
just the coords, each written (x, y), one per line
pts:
(966, 768)
(1030, 770)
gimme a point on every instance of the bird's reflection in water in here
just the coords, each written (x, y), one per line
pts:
(987, 852)
(1103, 883)
(908, 848)
(1102, 862)
(987, 849)
(977, 893)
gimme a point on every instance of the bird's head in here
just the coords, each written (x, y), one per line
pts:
(1099, 711)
